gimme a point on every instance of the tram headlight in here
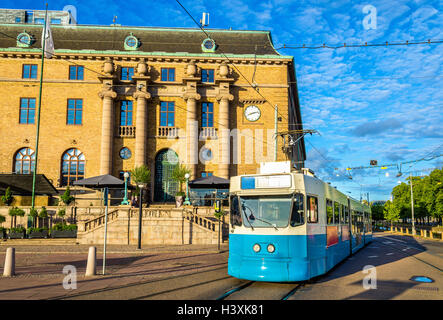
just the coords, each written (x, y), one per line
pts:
(256, 247)
(271, 248)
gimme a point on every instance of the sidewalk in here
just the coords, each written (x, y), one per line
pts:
(39, 269)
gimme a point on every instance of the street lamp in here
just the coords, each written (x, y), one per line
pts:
(187, 202)
(125, 199)
(141, 186)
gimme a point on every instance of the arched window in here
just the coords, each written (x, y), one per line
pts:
(24, 161)
(73, 166)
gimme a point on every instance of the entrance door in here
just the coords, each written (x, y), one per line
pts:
(165, 188)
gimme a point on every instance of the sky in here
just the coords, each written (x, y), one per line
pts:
(372, 103)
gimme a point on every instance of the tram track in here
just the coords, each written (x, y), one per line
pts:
(256, 288)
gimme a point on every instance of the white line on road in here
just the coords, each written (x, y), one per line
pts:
(373, 257)
(390, 253)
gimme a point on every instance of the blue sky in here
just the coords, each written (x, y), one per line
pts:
(368, 103)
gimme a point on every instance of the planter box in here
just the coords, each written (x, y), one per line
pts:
(64, 233)
(38, 235)
(16, 235)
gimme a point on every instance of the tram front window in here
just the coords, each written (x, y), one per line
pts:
(266, 211)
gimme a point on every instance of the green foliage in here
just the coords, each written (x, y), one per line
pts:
(141, 175)
(179, 175)
(62, 227)
(377, 212)
(61, 213)
(17, 230)
(33, 213)
(43, 213)
(15, 211)
(390, 211)
(427, 194)
(33, 230)
(2, 218)
(66, 197)
(7, 198)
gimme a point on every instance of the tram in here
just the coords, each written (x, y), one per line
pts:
(291, 226)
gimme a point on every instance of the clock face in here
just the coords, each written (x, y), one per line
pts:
(252, 113)
(125, 153)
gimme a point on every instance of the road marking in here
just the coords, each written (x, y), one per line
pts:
(373, 247)
(387, 242)
(373, 257)
(390, 254)
(398, 240)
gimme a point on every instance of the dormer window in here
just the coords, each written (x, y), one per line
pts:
(24, 40)
(208, 45)
(131, 42)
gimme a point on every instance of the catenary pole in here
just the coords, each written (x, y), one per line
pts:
(38, 113)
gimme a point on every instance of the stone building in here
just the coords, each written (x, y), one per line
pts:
(117, 97)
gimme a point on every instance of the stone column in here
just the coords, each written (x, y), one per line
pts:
(107, 131)
(192, 132)
(224, 136)
(141, 127)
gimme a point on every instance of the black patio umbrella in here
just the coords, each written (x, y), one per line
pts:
(99, 182)
(105, 181)
(212, 181)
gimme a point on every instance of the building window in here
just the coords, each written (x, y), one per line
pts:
(24, 161)
(27, 110)
(39, 20)
(168, 74)
(206, 174)
(17, 20)
(29, 71)
(29, 15)
(75, 110)
(127, 73)
(167, 114)
(76, 72)
(56, 21)
(207, 114)
(126, 113)
(208, 75)
(73, 166)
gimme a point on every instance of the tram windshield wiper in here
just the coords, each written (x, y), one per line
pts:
(246, 215)
(271, 224)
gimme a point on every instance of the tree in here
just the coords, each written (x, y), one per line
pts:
(377, 212)
(14, 212)
(7, 198)
(391, 212)
(61, 213)
(34, 214)
(2, 219)
(179, 175)
(43, 214)
(140, 175)
(66, 197)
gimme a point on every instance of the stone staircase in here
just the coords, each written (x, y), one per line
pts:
(160, 225)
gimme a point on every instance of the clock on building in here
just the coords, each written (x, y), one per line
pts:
(252, 113)
(125, 153)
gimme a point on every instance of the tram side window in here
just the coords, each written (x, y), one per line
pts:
(312, 209)
(342, 214)
(346, 214)
(329, 212)
(297, 216)
(235, 212)
(336, 212)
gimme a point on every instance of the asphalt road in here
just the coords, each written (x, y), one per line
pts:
(394, 261)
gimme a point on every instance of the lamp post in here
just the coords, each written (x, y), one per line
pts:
(139, 245)
(187, 202)
(125, 199)
(412, 206)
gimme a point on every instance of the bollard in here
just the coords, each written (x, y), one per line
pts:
(9, 269)
(91, 265)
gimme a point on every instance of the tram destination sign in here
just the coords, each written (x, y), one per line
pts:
(266, 182)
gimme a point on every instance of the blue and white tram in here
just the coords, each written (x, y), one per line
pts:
(291, 227)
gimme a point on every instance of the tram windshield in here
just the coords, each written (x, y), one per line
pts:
(268, 211)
